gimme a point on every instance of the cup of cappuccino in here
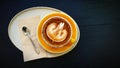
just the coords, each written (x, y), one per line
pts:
(57, 32)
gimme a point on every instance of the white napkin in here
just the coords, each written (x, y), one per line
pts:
(27, 47)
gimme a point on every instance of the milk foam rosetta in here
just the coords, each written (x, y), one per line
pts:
(56, 32)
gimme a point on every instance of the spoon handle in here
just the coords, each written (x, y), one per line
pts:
(35, 47)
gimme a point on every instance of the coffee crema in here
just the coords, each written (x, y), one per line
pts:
(56, 31)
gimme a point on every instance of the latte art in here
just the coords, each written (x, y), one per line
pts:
(56, 32)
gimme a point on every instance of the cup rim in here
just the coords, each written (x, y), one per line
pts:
(67, 40)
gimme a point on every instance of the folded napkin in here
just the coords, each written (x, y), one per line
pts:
(27, 47)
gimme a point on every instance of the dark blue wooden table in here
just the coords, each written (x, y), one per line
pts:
(99, 44)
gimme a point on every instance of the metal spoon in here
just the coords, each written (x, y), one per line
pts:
(27, 33)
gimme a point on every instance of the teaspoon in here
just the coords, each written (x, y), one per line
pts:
(27, 33)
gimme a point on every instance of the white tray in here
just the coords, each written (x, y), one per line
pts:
(13, 30)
